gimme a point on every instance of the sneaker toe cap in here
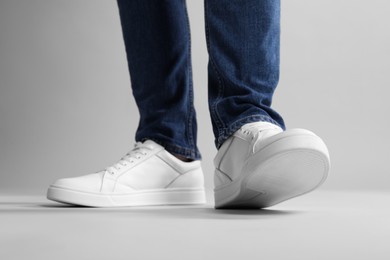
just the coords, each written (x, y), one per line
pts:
(86, 183)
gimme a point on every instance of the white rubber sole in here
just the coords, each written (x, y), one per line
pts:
(294, 163)
(139, 198)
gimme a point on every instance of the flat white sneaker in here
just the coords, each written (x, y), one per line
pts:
(146, 175)
(261, 165)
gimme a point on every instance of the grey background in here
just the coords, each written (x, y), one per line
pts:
(66, 106)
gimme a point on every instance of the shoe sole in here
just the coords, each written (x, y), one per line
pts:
(141, 198)
(294, 163)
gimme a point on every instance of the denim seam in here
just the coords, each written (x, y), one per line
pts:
(221, 89)
(220, 72)
(190, 103)
(214, 113)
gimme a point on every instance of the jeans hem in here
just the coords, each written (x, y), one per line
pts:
(176, 149)
(227, 132)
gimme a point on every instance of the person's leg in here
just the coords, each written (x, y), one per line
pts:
(259, 163)
(157, 40)
(243, 70)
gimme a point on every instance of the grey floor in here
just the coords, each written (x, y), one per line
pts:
(320, 225)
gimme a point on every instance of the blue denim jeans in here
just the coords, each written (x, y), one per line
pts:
(243, 39)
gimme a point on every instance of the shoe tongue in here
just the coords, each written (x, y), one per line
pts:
(260, 126)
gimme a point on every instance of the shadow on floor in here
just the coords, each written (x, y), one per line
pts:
(182, 211)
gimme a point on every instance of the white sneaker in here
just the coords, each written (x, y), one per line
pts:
(147, 175)
(261, 165)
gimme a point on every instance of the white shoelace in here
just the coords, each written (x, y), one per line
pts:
(139, 151)
(256, 133)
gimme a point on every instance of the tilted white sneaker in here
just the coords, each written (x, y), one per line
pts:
(147, 175)
(261, 165)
